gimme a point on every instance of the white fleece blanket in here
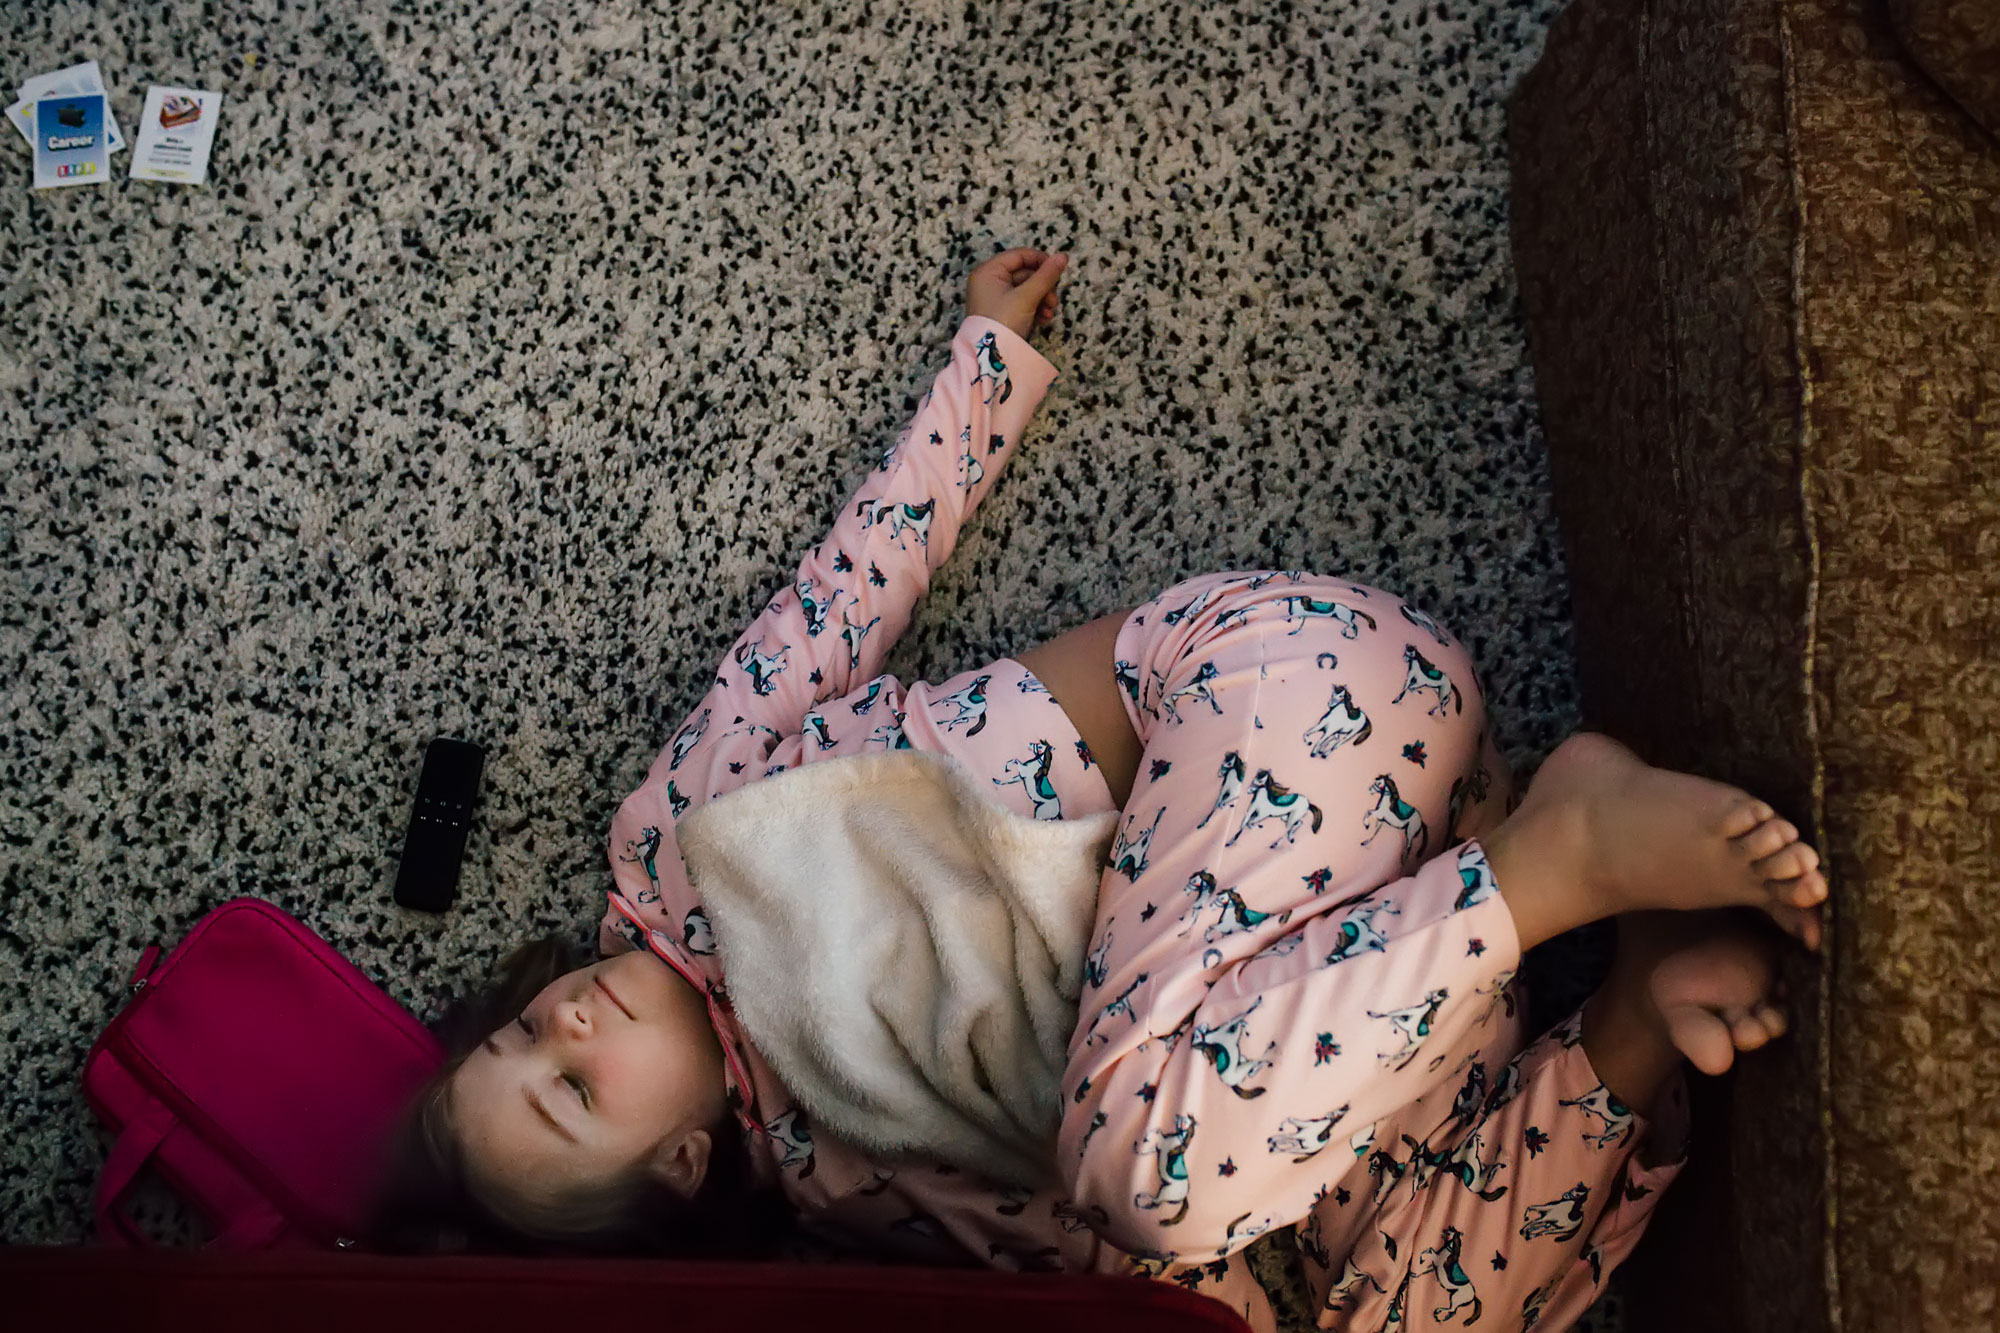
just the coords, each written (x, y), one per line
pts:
(905, 951)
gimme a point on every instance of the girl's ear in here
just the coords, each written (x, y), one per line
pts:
(682, 1163)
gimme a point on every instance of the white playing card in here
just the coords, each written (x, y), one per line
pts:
(176, 130)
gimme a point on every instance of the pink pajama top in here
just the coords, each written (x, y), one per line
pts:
(804, 683)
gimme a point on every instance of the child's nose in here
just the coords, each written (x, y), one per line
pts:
(576, 1019)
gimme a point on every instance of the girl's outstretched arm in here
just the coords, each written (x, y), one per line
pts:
(830, 629)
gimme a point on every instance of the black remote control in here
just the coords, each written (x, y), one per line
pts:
(434, 848)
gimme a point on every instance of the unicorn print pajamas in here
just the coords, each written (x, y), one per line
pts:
(1301, 1003)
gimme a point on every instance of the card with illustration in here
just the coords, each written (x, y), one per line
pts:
(176, 131)
(70, 143)
(74, 81)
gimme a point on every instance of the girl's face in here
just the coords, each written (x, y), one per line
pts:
(610, 1064)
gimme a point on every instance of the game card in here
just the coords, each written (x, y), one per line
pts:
(176, 130)
(76, 80)
(70, 144)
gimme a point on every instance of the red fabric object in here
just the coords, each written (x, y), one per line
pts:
(163, 1291)
(259, 1071)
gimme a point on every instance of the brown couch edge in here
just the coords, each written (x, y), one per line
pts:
(1618, 326)
(1957, 44)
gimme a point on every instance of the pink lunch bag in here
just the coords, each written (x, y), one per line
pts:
(261, 1074)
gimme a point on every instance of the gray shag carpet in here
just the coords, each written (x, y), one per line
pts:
(515, 353)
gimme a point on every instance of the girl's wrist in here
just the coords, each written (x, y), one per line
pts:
(974, 314)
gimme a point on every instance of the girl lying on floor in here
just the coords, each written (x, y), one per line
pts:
(1201, 920)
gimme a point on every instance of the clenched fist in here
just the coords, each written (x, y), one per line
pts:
(1016, 288)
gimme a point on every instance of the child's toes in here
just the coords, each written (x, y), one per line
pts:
(1703, 1036)
(1748, 1031)
(1787, 862)
(1745, 815)
(1801, 923)
(1768, 837)
(1801, 891)
(1753, 1027)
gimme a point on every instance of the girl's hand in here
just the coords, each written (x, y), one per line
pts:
(1016, 288)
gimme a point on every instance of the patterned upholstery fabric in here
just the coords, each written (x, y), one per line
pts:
(1759, 255)
(1956, 42)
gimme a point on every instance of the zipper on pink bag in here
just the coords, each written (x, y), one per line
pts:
(139, 977)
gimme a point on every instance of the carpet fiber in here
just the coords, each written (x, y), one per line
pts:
(515, 354)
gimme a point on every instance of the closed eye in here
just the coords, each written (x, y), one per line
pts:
(582, 1093)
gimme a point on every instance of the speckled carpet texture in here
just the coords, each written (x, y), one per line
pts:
(515, 354)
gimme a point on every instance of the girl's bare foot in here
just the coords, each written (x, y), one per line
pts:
(1655, 839)
(1709, 978)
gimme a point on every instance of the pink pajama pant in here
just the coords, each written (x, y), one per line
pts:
(1301, 1002)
